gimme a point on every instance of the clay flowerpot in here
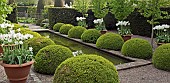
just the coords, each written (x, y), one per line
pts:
(126, 37)
(17, 73)
(103, 31)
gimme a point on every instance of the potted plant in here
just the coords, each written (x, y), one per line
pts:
(100, 9)
(121, 10)
(124, 29)
(82, 6)
(16, 57)
(81, 21)
(162, 34)
(99, 25)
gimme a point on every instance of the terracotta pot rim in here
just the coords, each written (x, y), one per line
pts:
(17, 65)
(127, 35)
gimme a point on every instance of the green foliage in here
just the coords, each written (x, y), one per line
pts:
(90, 36)
(60, 15)
(65, 28)
(121, 8)
(86, 69)
(4, 10)
(76, 32)
(50, 57)
(35, 34)
(111, 41)
(82, 6)
(26, 2)
(39, 42)
(17, 26)
(38, 22)
(161, 57)
(57, 26)
(151, 8)
(138, 48)
(100, 8)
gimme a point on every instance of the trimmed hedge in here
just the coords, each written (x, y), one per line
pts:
(138, 48)
(111, 41)
(76, 32)
(161, 57)
(50, 57)
(90, 35)
(65, 28)
(39, 42)
(35, 34)
(86, 69)
(62, 15)
(57, 26)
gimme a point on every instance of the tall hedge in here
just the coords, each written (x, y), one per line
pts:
(63, 15)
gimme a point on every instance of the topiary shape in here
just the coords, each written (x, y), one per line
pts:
(76, 32)
(90, 35)
(50, 57)
(86, 69)
(57, 26)
(111, 41)
(65, 28)
(39, 42)
(17, 26)
(138, 48)
(161, 57)
(35, 34)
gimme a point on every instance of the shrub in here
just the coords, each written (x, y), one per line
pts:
(64, 15)
(35, 34)
(76, 32)
(65, 28)
(86, 69)
(161, 57)
(138, 48)
(43, 22)
(50, 57)
(22, 30)
(90, 36)
(17, 26)
(39, 42)
(38, 22)
(57, 26)
(111, 41)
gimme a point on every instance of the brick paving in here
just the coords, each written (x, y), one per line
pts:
(143, 74)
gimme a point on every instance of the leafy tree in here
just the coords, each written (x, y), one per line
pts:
(4, 10)
(100, 8)
(151, 9)
(121, 8)
(82, 6)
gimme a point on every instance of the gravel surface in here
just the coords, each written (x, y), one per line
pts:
(145, 74)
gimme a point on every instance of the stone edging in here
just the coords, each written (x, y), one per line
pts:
(134, 61)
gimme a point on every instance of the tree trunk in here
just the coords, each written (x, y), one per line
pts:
(59, 3)
(40, 6)
(13, 16)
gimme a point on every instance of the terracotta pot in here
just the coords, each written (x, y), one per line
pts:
(17, 73)
(126, 37)
(103, 31)
(1, 50)
(158, 44)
